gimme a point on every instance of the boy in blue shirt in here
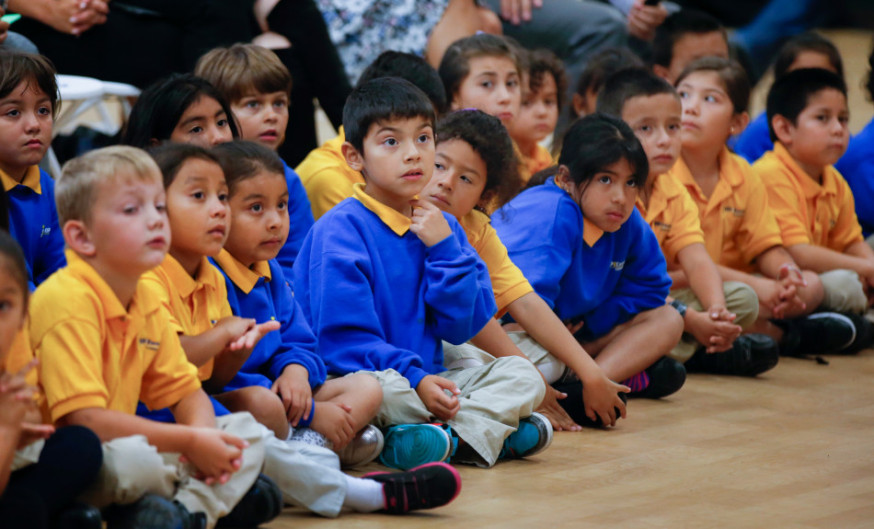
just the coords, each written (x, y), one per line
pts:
(384, 277)
(28, 103)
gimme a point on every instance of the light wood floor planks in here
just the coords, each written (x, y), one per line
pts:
(790, 449)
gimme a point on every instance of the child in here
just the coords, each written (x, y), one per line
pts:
(410, 278)
(589, 254)
(685, 36)
(286, 362)
(717, 311)
(808, 50)
(182, 108)
(808, 115)
(41, 470)
(326, 176)
(538, 114)
(599, 68)
(740, 231)
(28, 104)
(475, 166)
(108, 345)
(258, 87)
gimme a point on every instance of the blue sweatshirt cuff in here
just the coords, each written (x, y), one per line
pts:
(415, 375)
(448, 249)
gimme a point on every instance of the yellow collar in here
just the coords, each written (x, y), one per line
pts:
(811, 188)
(591, 233)
(243, 277)
(181, 282)
(395, 220)
(144, 301)
(31, 179)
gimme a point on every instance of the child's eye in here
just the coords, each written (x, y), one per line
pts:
(256, 208)
(844, 119)
(631, 183)
(466, 179)
(487, 84)
(424, 138)
(197, 195)
(130, 210)
(710, 99)
(604, 179)
(195, 130)
(222, 123)
(252, 104)
(391, 142)
(282, 205)
(673, 127)
(161, 207)
(223, 197)
(44, 111)
(280, 104)
(13, 113)
(645, 128)
(550, 102)
(683, 94)
(5, 306)
(512, 82)
(439, 166)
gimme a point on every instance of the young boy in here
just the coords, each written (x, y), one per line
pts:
(807, 115)
(28, 104)
(258, 87)
(685, 36)
(327, 177)
(109, 344)
(383, 277)
(716, 312)
(538, 114)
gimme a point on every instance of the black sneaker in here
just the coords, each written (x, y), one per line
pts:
(79, 516)
(820, 333)
(576, 408)
(153, 512)
(261, 504)
(666, 376)
(750, 355)
(424, 487)
(864, 334)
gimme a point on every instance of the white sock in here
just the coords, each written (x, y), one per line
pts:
(363, 495)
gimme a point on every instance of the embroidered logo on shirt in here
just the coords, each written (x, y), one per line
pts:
(617, 265)
(150, 344)
(664, 226)
(45, 231)
(734, 211)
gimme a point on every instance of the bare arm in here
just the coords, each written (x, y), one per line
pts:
(858, 257)
(703, 276)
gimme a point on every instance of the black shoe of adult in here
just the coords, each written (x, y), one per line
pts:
(79, 516)
(152, 512)
(261, 504)
(576, 408)
(666, 376)
(820, 333)
(750, 355)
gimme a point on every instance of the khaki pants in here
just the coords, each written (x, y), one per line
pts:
(468, 355)
(494, 396)
(740, 299)
(843, 292)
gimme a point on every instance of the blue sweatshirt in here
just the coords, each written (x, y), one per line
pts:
(300, 216)
(377, 298)
(262, 293)
(857, 168)
(583, 273)
(755, 140)
(33, 222)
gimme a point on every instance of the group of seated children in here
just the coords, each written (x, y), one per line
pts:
(212, 335)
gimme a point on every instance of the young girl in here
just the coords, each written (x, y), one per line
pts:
(589, 254)
(475, 165)
(286, 362)
(182, 108)
(42, 470)
(740, 231)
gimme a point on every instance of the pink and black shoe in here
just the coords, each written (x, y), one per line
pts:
(424, 487)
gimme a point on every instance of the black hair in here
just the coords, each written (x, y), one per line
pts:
(412, 68)
(627, 84)
(869, 81)
(382, 99)
(455, 65)
(171, 156)
(809, 41)
(596, 142)
(488, 138)
(602, 65)
(241, 160)
(17, 67)
(161, 105)
(542, 62)
(678, 25)
(730, 72)
(791, 93)
(12, 260)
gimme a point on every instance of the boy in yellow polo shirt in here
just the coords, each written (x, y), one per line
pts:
(103, 342)
(327, 177)
(807, 116)
(715, 312)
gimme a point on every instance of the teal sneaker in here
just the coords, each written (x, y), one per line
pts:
(411, 445)
(533, 435)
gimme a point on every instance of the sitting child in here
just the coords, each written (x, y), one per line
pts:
(685, 36)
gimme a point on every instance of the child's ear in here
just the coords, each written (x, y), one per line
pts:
(78, 238)
(354, 159)
(739, 122)
(486, 199)
(661, 71)
(782, 129)
(563, 177)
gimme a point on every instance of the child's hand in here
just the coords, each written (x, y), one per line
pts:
(335, 422)
(552, 410)
(776, 296)
(31, 433)
(643, 19)
(432, 390)
(429, 224)
(715, 334)
(16, 398)
(214, 453)
(253, 335)
(601, 398)
(293, 387)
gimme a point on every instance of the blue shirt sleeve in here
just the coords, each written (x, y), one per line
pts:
(300, 216)
(755, 140)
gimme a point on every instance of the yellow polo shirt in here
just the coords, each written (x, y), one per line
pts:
(540, 160)
(673, 217)
(95, 354)
(737, 221)
(809, 212)
(326, 176)
(195, 304)
(508, 282)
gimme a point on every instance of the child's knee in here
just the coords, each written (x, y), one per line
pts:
(266, 407)
(667, 319)
(368, 392)
(813, 293)
(742, 301)
(843, 291)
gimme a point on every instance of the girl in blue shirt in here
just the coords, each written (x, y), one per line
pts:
(586, 250)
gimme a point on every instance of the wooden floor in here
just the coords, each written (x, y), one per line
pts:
(790, 449)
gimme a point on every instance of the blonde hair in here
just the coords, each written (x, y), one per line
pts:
(238, 70)
(76, 189)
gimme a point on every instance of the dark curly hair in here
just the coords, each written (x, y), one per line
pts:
(490, 140)
(542, 62)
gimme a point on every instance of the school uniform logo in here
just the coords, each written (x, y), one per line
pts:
(617, 265)
(734, 211)
(150, 344)
(45, 231)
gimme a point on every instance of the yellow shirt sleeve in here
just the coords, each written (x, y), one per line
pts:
(685, 226)
(169, 376)
(326, 188)
(759, 230)
(160, 289)
(847, 229)
(785, 203)
(508, 282)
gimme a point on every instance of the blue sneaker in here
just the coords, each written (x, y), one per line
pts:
(411, 445)
(533, 435)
